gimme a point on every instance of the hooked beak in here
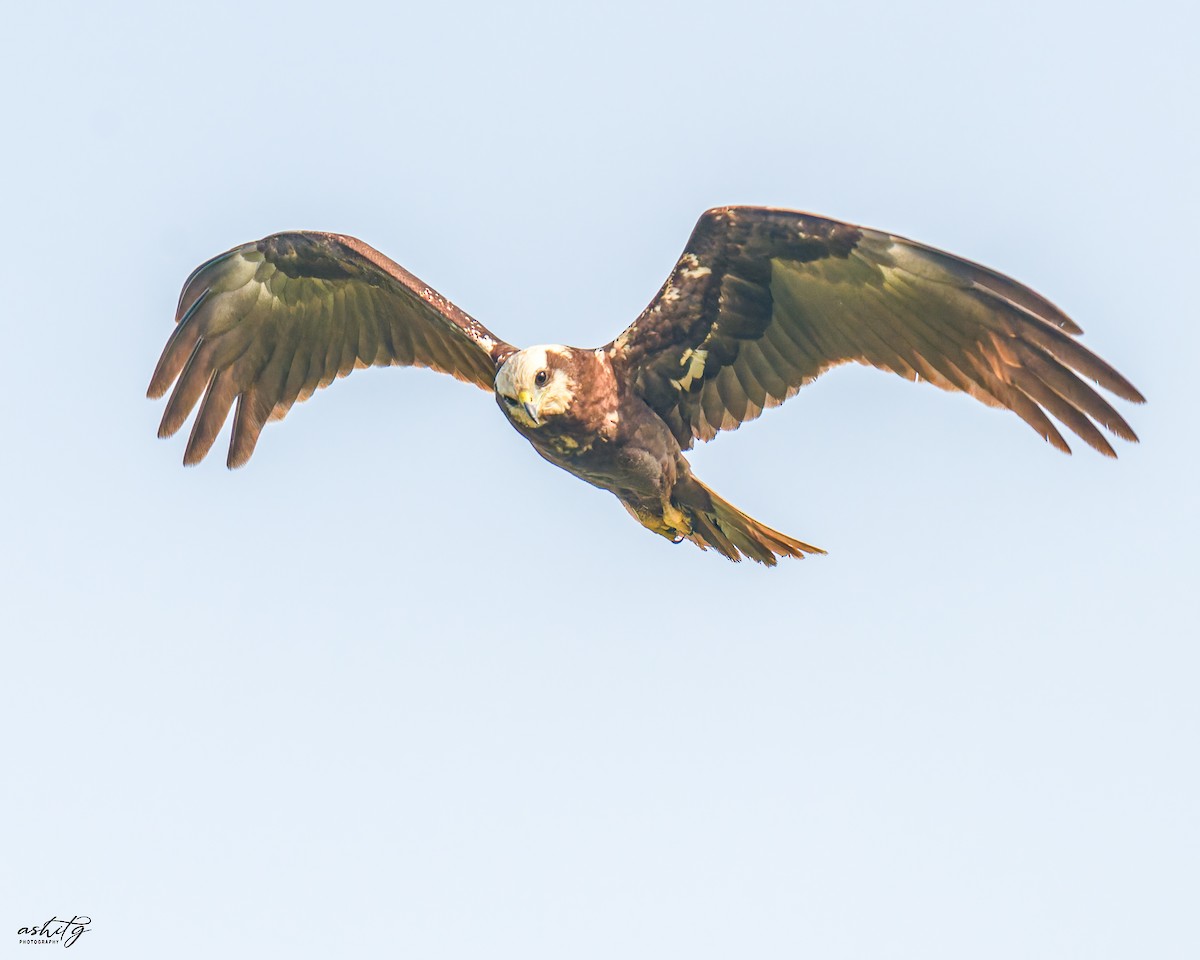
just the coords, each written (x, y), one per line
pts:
(526, 400)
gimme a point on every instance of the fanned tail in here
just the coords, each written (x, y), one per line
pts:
(730, 532)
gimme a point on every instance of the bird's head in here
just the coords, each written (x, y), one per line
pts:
(536, 384)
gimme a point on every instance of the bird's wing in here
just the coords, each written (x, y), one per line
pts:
(268, 323)
(763, 301)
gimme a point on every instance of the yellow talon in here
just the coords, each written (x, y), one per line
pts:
(675, 519)
(673, 525)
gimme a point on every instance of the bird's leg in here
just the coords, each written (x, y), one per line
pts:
(662, 525)
(675, 520)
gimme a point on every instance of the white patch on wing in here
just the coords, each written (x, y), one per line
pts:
(693, 362)
(689, 266)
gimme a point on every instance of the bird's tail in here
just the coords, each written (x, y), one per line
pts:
(727, 530)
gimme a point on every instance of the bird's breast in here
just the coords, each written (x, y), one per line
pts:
(565, 438)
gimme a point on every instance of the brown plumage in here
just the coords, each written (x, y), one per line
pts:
(760, 303)
(268, 323)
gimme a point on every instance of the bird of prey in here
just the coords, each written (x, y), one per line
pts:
(761, 302)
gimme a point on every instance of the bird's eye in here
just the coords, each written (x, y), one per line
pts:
(541, 378)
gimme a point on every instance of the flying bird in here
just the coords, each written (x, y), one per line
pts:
(761, 302)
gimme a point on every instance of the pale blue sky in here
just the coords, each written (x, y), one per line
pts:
(399, 688)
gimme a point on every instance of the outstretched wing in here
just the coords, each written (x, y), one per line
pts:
(268, 323)
(763, 301)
